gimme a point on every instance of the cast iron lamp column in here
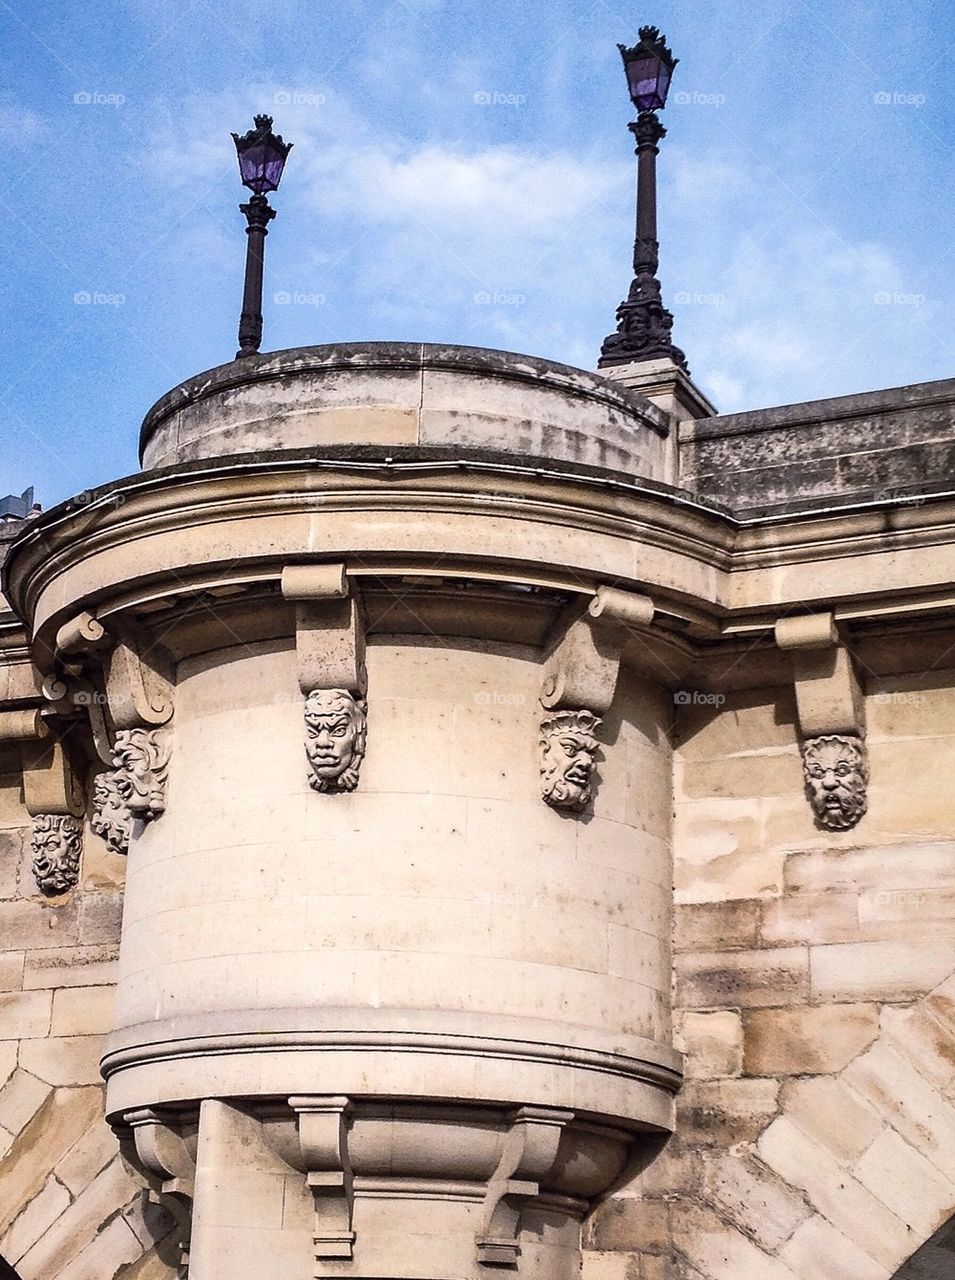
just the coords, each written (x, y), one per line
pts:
(643, 323)
(262, 155)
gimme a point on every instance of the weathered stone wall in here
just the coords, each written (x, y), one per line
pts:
(815, 998)
(69, 1207)
(882, 445)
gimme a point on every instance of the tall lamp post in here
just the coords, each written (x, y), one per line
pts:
(262, 155)
(643, 323)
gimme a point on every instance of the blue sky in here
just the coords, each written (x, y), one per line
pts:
(462, 173)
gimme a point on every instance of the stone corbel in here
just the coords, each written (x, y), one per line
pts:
(160, 1153)
(323, 1137)
(831, 710)
(530, 1150)
(53, 796)
(580, 677)
(330, 650)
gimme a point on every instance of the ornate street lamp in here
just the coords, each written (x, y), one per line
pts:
(643, 323)
(262, 155)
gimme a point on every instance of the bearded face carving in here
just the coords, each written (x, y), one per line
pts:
(836, 774)
(335, 730)
(111, 819)
(57, 842)
(134, 788)
(568, 751)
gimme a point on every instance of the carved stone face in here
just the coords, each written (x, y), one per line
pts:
(141, 759)
(568, 751)
(836, 777)
(57, 842)
(111, 818)
(335, 728)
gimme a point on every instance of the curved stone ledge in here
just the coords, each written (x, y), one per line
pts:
(408, 394)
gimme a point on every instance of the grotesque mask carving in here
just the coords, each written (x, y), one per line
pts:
(836, 774)
(111, 818)
(134, 788)
(57, 843)
(335, 729)
(568, 749)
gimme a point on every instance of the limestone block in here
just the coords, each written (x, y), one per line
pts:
(879, 970)
(888, 914)
(80, 1224)
(723, 1112)
(100, 917)
(807, 1041)
(775, 772)
(722, 1252)
(8, 1059)
(816, 1248)
(776, 976)
(37, 1218)
(927, 1042)
(604, 1265)
(45, 1140)
(716, 926)
(25, 1013)
(63, 1060)
(11, 853)
(103, 1256)
(722, 852)
(810, 917)
(25, 925)
(82, 1011)
(911, 1186)
(832, 1114)
(712, 1042)
(874, 868)
(747, 722)
(917, 1111)
(71, 967)
(87, 1157)
(20, 1099)
(630, 1224)
(11, 970)
(849, 1206)
(759, 1203)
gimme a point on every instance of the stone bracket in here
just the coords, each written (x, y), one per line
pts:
(829, 698)
(323, 1137)
(530, 1151)
(161, 1155)
(127, 692)
(581, 668)
(329, 628)
(50, 784)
